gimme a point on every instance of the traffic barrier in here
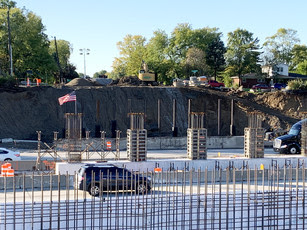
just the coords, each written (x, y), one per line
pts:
(4, 168)
(109, 145)
(158, 169)
(10, 173)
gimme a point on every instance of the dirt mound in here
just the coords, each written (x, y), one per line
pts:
(129, 80)
(291, 105)
(80, 82)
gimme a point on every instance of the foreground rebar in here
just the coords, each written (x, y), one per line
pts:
(233, 198)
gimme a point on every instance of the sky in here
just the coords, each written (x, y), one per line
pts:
(99, 24)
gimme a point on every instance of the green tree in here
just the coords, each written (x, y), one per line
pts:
(302, 68)
(97, 74)
(119, 68)
(7, 4)
(299, 55)
(69, 72)
(195, 60)
(278, 48)
(132, 51)
(64, 51)
(30, 44)
(180, 41)
(242, 55)
(157, 55)
(215, 56)
(184, 38)
(179, 44)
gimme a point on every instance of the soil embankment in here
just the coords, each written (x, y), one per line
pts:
(27, 110)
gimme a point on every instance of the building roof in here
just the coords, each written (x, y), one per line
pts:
(296, 75)
(250, 76)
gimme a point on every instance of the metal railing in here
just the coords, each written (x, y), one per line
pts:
(228, 198)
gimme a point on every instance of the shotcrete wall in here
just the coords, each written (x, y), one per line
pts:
(25, 111)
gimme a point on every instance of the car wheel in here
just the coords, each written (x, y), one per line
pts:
(94, 190)
(8, 159)
(293, 149)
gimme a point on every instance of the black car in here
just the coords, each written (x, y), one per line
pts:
(99, 178)
(291, 142)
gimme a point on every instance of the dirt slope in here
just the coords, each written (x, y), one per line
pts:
(23, 111)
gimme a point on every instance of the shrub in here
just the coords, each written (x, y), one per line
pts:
(7, 81)
(297, 84)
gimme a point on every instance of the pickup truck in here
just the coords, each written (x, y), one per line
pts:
(215, 84)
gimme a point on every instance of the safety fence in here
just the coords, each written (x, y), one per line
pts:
(232, 198)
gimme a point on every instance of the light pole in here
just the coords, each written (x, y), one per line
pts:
(84, 52)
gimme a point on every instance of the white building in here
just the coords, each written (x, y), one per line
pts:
(278, 69)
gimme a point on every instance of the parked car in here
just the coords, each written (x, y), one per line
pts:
(9, 155)
(291, 142)
(260, 86)
(99, 178)
(279, 86)
(215, 84)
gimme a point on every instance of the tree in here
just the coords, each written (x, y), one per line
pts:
(157, 55)
(30, 44)
(64, 51)
(119, 68)
(195, 60)
(205, 39)
(279, 46)
(132, 51)
(215, 55)
(242, 55)
(100, 73)
(69, 72)
(180, 42)
(209, 41)
(302, 68)
(299, 55)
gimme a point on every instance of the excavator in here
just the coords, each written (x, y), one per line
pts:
(147, 77)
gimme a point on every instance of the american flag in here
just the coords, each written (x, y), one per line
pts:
(68, 97)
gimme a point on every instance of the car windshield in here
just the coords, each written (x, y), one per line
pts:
(295, 130)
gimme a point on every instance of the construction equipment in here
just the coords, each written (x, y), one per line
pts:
(147, 77)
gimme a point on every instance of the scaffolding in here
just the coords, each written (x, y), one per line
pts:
(254, 137)
(43, 150)
(137, 138)
(197, 137)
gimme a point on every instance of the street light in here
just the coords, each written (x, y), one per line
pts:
(84, 52)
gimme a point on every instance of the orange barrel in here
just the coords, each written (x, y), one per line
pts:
(10, 172)
(109, 145)
(4, 168)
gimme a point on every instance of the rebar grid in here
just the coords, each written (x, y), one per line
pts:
(197, 120)
(273, 198)
(254, 120)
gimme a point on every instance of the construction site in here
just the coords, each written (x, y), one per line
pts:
(119, 124)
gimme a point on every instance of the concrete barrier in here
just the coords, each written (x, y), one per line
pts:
(178, 164)
(168, 143)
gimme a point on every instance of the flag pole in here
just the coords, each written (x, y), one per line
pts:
(76, 106)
